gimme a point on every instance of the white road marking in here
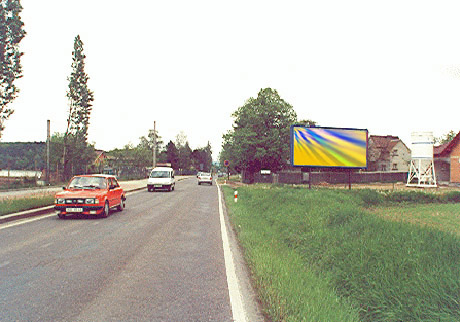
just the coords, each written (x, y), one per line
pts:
(239, 314)
(46, 245)
(25, 221)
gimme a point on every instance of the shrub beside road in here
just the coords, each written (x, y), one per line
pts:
(333, 255)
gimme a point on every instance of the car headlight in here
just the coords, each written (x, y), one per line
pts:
(91, 201)
(60, 201)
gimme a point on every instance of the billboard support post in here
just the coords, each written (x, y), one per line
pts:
(349, 179)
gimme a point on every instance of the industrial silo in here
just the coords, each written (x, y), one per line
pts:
(421, 172)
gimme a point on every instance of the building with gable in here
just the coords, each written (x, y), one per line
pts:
(447, 161)
(388, 153)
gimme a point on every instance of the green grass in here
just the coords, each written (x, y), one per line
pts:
(444, 217)
(323, 255)
(15, 205)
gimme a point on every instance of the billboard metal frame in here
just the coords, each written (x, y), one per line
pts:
(326, 166)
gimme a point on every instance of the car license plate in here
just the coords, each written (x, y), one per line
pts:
(74, 209)
(158, 185)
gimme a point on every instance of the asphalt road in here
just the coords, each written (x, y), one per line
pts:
(161, 259)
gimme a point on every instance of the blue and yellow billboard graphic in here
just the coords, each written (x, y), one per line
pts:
(328, 147)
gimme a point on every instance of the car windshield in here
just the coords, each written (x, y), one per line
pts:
(88, 183)
(204, 174)
(159, 174)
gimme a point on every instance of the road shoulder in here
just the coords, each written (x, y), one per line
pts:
(252, 307)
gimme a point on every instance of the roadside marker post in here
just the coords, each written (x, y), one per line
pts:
(236, 196)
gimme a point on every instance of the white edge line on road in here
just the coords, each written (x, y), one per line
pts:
(25, 221)
(239, 314)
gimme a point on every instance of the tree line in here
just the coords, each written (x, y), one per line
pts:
(32, 155)
(178, 154)
(23, 155)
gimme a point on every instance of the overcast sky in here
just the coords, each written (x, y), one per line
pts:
(392, 67)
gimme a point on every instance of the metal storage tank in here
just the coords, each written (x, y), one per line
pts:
(421, 173)
(422, 145)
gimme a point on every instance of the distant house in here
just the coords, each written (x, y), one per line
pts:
(101, 158)
(447, 161)
(388, 153)
(103, 161)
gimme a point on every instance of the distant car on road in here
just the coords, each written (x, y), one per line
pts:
(92, 194)
(204, 177)
(161, 178)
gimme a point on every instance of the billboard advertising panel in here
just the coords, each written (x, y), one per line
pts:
(328, 147)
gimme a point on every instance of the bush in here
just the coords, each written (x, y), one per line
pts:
(411, 196)
(451, 196)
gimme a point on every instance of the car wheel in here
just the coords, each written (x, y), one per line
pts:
(61, 215)
(106, 211)
(122, 205)
(199, 183)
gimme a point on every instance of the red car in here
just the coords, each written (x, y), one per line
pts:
(92, 194)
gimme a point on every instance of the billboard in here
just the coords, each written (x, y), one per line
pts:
(328, 147)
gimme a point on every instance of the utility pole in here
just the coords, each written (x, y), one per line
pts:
(48, 125)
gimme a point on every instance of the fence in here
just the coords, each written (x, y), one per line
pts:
(291, 177)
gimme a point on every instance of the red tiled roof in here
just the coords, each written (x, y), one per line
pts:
(385, 142)
(445, 149)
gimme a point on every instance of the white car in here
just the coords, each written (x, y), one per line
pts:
(204, 177)
(161, 178)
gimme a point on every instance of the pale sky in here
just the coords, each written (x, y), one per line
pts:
(392, 67)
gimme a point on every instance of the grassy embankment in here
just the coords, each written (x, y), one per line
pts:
(12, 205)
(337, 255)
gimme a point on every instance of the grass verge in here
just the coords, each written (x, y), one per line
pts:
(9, 206)
(322, 255)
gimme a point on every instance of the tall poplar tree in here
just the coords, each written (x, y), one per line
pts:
(77, 153)
(11, 33)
